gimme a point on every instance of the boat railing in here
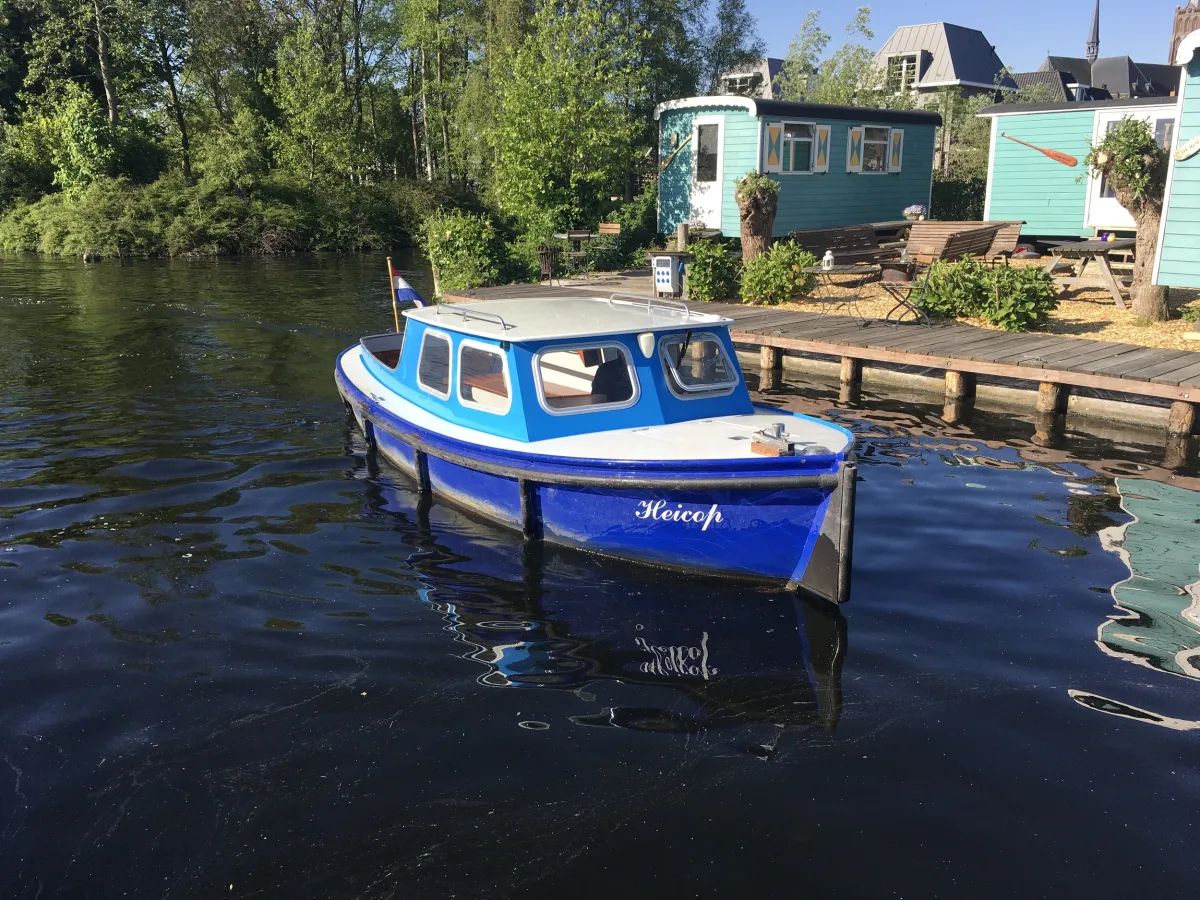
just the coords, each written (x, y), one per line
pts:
(672, 306)
(466, 313)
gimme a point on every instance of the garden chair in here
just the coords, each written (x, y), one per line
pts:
(579, 257)
(548, 263)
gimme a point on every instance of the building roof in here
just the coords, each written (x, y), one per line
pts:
(1115, 76)
(1053, 82)
(756, 107)
(1016, 109)
(950, 55)
(550, 318)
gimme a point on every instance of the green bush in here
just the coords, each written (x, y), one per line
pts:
(465, 249)
(778, 275)
(1188, 313)
(639, 228)
(1022, 299)
(957, 199)
(713, 272)
(957, 289)
(1011, 298)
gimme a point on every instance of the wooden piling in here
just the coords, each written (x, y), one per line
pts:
(681, 236)
(1052, 398)
(851, 370)
(769, 357)
(1182, 419)
(959, 385)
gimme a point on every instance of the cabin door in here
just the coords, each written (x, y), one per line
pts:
(1104, 213)
(708, 140)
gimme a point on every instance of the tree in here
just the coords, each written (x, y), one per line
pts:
(1132, 163)
(731, 41)
(849, 77)
(803, 58)
(758, 200)
(564, 132)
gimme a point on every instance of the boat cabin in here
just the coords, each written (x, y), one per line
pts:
(533, 369)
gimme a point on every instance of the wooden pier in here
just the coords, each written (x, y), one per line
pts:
(1056, 364)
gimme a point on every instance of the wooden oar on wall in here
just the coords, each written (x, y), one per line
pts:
(674, 153)
(1065, 158)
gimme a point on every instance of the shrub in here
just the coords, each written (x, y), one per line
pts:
(639, 228)
(1188, 313)
(957, 289)
(1011, 298)
(465, 250)
(778, 275)
(18, 229)
(713, 272)
(1022, 299)
(958, 199)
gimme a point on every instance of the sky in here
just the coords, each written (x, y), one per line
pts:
(1021, 32)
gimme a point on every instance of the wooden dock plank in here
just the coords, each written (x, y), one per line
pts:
(1185, 375)
(1127, 364)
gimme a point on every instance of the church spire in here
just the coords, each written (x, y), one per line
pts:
(1093, 47)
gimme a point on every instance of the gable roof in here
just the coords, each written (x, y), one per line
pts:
(1110, 75)
(949, 54)
(1018, 109)
(1054, 83)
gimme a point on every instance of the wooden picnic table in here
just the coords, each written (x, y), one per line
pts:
(1087, 252)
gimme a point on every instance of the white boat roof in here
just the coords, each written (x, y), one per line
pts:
(548, 318)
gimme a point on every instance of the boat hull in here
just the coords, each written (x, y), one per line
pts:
(794, 529)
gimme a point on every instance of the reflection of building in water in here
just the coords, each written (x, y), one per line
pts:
(1159, 625)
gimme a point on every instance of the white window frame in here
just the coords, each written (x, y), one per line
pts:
(906, 84)
(583, 410)
(887, 150)
(495, 351)
(812, 148)
(682, 391)
(435, 333)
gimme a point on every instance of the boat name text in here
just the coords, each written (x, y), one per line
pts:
(657, 510)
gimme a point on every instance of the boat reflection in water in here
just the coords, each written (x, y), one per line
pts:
(1158, 625)
(538, 616)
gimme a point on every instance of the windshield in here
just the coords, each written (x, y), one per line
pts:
(697, 364)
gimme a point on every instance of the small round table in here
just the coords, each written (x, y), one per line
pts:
(859, 276)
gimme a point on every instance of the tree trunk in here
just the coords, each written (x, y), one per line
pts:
(102, 52)
(412, 113)
(1149, 300)
(756, 213)
(425, 120)
(168, 73)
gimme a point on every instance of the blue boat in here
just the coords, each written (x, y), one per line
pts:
(619, 426)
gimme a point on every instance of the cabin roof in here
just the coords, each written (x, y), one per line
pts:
(1018, 109)
(551, 318)
(763, 107)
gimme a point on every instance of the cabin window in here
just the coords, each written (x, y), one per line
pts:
(433, 366)
(1164, 131)
(876, 142)
(706, 152)
(585, 378)
(483, 378)
(697, 365)
(797, 147)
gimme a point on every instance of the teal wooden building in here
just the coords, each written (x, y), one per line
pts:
(836, 165)
(1053, 198)
(1178, 262)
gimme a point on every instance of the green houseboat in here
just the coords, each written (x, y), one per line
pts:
(836, 165)
(1178, 262)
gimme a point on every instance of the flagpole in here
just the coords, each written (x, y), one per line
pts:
(392, 288)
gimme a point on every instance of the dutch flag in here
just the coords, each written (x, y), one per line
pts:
(402, 291)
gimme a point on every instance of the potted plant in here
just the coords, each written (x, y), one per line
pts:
(915, 213)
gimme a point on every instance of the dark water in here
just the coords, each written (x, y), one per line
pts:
(236, 659)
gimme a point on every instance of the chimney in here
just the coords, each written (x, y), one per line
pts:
(1093, 47)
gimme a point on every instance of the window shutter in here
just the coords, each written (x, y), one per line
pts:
(821, 150)
(774, 151)
(896, 157)
(854, 149)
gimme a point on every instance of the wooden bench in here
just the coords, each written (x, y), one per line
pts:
(927, 240)
(848, 244)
